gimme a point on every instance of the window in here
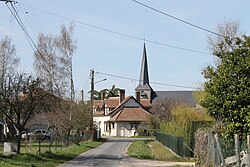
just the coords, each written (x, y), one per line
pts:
(106, 126)
(133, 126)
(113, 125)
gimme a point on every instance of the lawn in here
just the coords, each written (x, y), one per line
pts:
(46, 159)
(152, 150)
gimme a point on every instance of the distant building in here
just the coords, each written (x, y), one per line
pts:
(122, 116)
(146, 91)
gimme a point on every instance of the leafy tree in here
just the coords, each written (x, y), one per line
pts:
(227, 85)
(102, 94)
(113, 92)
(185, 114)
(106, 93)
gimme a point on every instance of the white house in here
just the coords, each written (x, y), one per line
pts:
(122, 120)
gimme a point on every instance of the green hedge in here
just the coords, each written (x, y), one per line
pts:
(185, 130)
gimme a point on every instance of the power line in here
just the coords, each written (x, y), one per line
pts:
(33, 14)
(21, 24)
(118, 33)
(176, 18)
(29, 21)
(29, 13)
(157, 83)
(87, 81)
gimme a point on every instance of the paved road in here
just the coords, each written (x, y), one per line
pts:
(110, 154)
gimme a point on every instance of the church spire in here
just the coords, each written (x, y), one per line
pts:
(144, 79)
(143, 88)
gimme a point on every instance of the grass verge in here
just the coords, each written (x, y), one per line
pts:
(47, 159)
(152, 150)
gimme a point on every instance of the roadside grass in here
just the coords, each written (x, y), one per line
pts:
(47, 159)
(140, 150)
(152, 150)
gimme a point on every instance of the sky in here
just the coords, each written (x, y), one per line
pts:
(110, 36)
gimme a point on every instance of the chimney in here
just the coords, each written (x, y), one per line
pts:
(138, 96)
(102, 96)
(122, 95)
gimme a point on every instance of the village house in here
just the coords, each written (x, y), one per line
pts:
(119, 116)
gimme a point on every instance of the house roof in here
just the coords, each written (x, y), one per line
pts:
(145, 102)
(182, 96)
(98, 103)
(130, 114)
(143, 87)
(125, 112)
(110, 103)
(114, 111)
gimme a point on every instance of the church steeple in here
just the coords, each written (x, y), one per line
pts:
(143, 87)
(144, 79)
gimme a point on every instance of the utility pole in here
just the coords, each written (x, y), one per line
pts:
(82, 94)
(92, 73)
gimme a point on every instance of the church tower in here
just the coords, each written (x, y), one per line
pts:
(143, 88)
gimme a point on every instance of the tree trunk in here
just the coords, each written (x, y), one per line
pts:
(18, 140)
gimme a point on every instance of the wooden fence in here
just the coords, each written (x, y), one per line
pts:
(219, 153)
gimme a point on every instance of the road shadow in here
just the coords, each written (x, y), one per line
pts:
(94, 160)
(116, 139)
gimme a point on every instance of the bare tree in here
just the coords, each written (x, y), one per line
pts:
(81, 117)
(67, 47)
(229, 29)
(8, 59)
(20, 98)
(53, 60)
(46, 63)
(162, 109)
(161, 112)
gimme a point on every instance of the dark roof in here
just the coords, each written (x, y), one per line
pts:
(143, 87)
(144, 79)
(182, 96)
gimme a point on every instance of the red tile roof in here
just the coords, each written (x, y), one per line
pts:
(130, 114)
(98, 103)
(145, 102)
(112, 102)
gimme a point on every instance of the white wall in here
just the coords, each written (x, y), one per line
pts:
(99, 121)
(124, 129)
(113, 131)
